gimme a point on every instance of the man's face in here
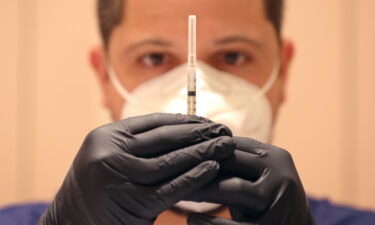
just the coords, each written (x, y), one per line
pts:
(233, 36)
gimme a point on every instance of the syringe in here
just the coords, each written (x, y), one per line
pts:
(191, 70)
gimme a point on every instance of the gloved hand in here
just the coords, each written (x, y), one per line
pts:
(260, 184)
(130, 171)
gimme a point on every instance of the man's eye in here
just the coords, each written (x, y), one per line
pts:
(154, 59)
(234, 58)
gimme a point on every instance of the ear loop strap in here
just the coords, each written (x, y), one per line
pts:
(270, 82)
(118, 86)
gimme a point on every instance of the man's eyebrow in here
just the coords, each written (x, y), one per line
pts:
(238, 38)
(152, 42)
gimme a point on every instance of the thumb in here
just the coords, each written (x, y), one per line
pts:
(202, 219)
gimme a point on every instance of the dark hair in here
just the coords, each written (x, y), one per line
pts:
(110, 12)
(275, 12)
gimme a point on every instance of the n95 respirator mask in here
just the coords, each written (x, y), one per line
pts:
(221, 97)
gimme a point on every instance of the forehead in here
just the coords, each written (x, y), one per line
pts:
(168, 18)
(232, 10)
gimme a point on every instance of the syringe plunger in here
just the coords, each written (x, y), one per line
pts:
(192, 54)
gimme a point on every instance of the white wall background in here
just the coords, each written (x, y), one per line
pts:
(50, 100)
(328, 119)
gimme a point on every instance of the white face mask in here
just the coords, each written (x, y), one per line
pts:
(221, 97)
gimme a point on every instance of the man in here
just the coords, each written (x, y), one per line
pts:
(141, 169)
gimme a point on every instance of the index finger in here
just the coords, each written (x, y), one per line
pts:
(253, 146)
(140, 124)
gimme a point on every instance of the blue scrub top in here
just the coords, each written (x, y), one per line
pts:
(325, 213)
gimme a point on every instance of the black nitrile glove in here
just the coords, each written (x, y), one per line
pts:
(130, 171)
(260, 184)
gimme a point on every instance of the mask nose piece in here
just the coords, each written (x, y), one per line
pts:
(209, 78)
(174, 81)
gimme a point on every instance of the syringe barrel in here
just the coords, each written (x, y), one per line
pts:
(192, 61)
(191, 90)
